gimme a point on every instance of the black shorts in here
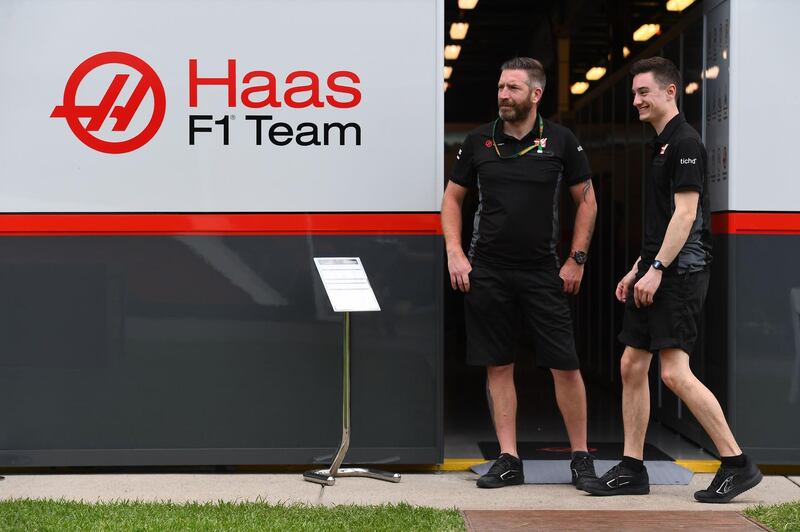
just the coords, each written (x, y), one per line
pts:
(672, 320)
(502, 304)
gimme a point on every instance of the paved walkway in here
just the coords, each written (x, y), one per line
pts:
(442, 490)
(610, 520)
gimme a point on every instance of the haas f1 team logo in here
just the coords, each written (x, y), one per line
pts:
(95, 115)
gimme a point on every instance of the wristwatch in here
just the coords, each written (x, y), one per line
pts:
(658, 265)
(579, 257)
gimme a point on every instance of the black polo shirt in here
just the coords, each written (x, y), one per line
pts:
(678, 163)
(516, 224)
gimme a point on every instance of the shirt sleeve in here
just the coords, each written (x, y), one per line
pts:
(576, 164)
(464, 172)
(689, 163)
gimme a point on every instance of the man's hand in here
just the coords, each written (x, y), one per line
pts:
(459, 268)
(624, 285)
(645, 289)
(571, 273)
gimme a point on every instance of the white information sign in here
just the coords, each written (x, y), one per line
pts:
(346, 284)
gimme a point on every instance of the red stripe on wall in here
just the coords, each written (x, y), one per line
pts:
(756, 223)
(220, 224)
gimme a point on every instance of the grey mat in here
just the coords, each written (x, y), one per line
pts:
(557, 471)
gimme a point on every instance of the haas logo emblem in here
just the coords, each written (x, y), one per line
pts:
(122, 113)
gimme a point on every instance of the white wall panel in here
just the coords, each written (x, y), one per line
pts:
(394, 47)
(765, 106)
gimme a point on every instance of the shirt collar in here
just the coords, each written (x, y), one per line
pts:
(532, 134)
(669, 129)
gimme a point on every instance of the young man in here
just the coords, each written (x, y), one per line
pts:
(665, 290)
(518, 163)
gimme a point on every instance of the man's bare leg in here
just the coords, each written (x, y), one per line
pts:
(630, 476)
(507, 470)
(571, 399)
(634, 366)
(737, 473)
(502, 397)
(678, 376)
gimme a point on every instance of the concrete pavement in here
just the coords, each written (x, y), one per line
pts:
(442, 490)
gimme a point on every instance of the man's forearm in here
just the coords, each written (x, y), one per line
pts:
(451, 223)
(584, 226)
(674, 239)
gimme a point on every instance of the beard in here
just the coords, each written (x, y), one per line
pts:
(514, 112)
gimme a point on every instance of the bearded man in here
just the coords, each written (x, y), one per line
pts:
(511, 272)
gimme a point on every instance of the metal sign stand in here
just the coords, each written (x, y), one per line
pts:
(328, 476)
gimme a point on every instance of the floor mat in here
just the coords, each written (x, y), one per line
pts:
(558, 472)
(531, 450)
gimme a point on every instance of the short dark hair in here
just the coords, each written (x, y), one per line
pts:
(534, 69)
(664, 71)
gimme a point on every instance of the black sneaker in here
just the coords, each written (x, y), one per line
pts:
(619, 481)
(730, 482)
(582, 468)
(506, 471)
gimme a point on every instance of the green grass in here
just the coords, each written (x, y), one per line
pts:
(36, 515)
(779, 517)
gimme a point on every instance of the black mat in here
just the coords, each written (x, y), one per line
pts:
(549, 450)
(557, 471)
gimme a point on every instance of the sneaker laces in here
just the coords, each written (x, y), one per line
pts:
(584, 464)
(611, 473)
(723, 473)
(503, 463)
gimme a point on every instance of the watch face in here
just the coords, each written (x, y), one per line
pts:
(580, 257)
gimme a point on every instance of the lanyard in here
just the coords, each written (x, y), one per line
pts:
(524, 151)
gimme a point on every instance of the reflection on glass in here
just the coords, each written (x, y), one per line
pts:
(228, 264)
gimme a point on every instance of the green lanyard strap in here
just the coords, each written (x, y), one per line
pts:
(525, 150)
